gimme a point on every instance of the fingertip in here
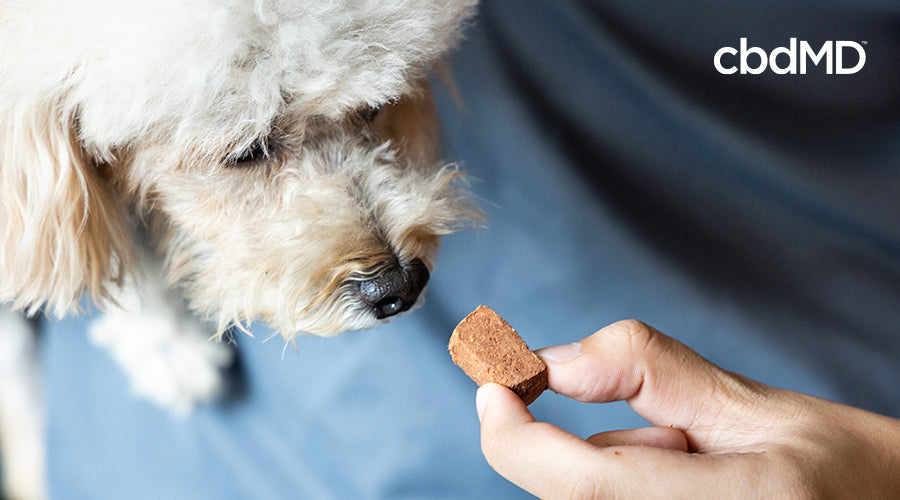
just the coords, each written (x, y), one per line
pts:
(494, 399)
(560, 354)
(481, 396)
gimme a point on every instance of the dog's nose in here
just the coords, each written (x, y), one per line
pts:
(395, 289)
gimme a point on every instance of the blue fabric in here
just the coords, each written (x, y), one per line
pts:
(754, 218)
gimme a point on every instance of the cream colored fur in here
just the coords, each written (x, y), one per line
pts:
(121, 124)
(105, 124)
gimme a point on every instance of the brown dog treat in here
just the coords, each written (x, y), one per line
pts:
(489, 350)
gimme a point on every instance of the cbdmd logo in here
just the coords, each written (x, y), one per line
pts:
(793, 59)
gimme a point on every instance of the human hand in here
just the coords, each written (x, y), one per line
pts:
(717, 434)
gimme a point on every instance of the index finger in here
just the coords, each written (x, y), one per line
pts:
(663, 380)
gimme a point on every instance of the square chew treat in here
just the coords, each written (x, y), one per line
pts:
(489, 350)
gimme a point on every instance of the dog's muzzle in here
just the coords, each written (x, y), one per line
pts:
(395, 289)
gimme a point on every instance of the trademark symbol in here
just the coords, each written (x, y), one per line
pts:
(865, 42)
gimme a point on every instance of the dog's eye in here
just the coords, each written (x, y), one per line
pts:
(368, 113)
(258, 149)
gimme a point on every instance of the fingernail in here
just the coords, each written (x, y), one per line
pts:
(480, 401)
(560, 353)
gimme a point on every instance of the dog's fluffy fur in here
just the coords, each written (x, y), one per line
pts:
(239, 141)
(106, 106)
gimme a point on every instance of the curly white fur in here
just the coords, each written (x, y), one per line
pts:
(166, 68)
(127, 124)
(134, 118)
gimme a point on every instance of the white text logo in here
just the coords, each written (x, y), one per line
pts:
(792, 59)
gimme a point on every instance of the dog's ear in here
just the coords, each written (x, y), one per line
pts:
(411, 124)
(62, 231)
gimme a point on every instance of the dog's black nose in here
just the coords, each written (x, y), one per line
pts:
(394, 289)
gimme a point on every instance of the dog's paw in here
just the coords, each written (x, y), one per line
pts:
(166, 352)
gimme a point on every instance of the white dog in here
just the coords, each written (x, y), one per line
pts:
(270, 160)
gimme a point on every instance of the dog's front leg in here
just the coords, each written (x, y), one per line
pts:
(166, 351)
(22, 448)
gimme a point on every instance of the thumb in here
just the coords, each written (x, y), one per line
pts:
(663, 380)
